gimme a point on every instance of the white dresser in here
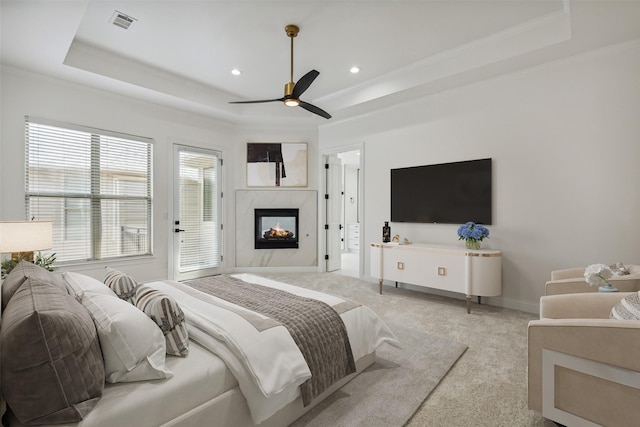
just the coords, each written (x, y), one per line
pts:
(450, 268)
(353, 237)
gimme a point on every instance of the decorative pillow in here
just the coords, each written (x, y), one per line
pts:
(122, 284)
(619, 269)
(133, 346)
(22, 272)
(628, 308)
(52, 368)
(164, 310)
(77, 284)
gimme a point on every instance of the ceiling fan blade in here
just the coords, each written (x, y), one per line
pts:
(304, 83)
(256, 102)
(314, 109)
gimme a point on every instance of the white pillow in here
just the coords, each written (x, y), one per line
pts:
(133, 346)
(77, 284)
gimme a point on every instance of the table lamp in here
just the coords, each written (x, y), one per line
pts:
(21, 238)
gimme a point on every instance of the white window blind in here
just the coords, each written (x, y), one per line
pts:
(94, 185)
(199, 210)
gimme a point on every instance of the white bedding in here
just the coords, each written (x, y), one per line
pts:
(211, 376)
(198, 378)
(268, 365)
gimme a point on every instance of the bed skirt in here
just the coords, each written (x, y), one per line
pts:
(230, 408)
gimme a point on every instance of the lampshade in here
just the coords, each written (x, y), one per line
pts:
(25, 236)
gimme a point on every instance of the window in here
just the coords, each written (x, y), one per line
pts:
(94, 185)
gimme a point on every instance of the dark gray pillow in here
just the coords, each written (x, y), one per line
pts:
(52, 368)
(21, 272)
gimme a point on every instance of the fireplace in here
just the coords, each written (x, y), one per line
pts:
(276, 228)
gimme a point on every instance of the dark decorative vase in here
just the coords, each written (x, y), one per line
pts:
(386, 232)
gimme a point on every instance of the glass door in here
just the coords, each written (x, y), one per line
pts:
(197, 219)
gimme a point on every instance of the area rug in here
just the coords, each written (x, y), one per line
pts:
(391, 390)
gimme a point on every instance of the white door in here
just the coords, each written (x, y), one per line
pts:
(333, 200)
(197, 216)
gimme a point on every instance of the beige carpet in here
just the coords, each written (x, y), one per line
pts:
(487, 386)
(388, 392)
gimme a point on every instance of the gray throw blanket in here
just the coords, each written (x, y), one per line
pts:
(316, 328)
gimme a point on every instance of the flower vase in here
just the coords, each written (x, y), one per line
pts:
(472, 244)
(607, 288)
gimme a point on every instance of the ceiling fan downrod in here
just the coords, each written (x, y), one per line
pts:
(292, 31)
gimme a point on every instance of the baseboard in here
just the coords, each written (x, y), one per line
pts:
(258, 270)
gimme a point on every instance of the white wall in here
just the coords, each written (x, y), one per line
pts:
(565, 144)
(565, 139)
(350, 176)
(26, 93)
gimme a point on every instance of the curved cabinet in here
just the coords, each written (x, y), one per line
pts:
(449, 268)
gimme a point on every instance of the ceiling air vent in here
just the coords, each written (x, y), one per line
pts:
(122, 20)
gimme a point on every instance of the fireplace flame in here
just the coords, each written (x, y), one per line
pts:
(278, 232)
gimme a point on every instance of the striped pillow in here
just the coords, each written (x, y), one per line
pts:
(628, 308)
(122, 284)
(164, 310)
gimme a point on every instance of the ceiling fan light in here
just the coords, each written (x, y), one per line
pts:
(291, 102)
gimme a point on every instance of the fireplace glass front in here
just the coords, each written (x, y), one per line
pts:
(276, 228)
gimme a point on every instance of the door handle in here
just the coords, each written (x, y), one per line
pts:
(177, 230)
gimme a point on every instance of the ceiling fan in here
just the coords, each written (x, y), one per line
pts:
(292, 91)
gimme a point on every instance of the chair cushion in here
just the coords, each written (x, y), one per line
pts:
(52, 368)
(164, 310)
(628, 308)
(121, 283)
(22, 272)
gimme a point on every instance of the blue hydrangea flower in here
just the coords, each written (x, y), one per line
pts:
(472, 231)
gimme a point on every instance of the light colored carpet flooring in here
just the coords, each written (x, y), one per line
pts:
(488, 384)
(390, 391)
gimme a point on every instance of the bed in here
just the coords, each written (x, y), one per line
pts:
(232, 374)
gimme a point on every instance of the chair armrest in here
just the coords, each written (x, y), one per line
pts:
(629, 283)
(568, 286)
(595, 305)
(568, 273)
(609, 341)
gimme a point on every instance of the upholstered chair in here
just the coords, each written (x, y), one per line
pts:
(571, 280)
(584, 368)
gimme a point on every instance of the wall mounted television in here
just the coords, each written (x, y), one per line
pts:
(448, 193)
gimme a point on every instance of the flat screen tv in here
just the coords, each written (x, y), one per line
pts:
(448, 193)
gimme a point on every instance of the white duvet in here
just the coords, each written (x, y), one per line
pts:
(268, 365)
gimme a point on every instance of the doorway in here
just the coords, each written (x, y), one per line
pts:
(351, 200)
(345, 240)
(197, 216)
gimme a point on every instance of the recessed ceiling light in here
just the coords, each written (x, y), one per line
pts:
(236, 72)
(354, 70)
